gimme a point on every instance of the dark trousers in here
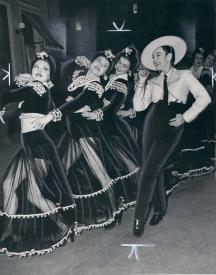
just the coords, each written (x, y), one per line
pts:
(157, 151)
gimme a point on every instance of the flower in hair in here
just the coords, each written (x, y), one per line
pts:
(41, 55)
(109, 54)
(127, 51)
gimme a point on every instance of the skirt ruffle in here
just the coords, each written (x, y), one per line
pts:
(37, 208)
(102, 172)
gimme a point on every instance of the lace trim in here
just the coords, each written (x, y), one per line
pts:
(119, 87)
(95, 87)
(186, 180)
(196, 172)
(32, 252)
(39, 215)
(113, 181)
(56, 114)
(22, 79)
(76, 74)
(102, 225)
(81, 81)
(37, 87)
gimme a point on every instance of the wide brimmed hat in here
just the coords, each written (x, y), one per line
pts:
(178, 44)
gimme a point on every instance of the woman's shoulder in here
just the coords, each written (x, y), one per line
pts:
(26, 80)
(118, 85)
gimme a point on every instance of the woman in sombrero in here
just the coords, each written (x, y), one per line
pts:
(165, 95)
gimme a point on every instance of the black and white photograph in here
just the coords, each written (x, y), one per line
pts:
(107, 137)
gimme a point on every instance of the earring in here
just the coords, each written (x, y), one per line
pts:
(105, 77)
(129, 73)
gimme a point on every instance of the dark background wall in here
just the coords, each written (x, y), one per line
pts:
(191, 19)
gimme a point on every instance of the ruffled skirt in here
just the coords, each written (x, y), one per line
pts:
(37, 209)
(102, 166)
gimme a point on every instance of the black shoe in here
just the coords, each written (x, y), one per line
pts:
(117, 220)
(156, 218)
(138, 227)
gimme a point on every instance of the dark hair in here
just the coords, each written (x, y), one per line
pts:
(50, 60)
(132, 56)
(208, 53)
(109, 59)
(169, 49)
(197, 51)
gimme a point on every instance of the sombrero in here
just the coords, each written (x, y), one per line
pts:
(178, 44)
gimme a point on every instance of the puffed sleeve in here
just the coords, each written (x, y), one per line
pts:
(142, 97)
(202, 98)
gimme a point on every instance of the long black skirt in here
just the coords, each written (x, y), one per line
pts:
(37, 209)
(102, 166)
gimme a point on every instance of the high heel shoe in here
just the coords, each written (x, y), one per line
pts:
(117, 219)
(138, 227)
(156, 218)
(73, 228)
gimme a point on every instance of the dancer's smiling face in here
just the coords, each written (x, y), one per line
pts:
(41, 71)
(122, 66)
(161, 59)
(99, 66)
(198, 59)
(209, 61)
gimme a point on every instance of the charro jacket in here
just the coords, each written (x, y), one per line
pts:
(180, 83)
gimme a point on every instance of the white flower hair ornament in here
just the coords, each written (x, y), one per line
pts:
(127, 51)
(109, 54)
(41, 55)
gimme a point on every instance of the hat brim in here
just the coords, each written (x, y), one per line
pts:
(178, 44)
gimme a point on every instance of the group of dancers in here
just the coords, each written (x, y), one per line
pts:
(52, 192)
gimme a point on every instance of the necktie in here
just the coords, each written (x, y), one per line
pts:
(165, 96)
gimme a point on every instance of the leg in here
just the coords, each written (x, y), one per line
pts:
(94, 162)
(97, 167)
(71, 155)
(10, 186)
(34, 193)
(159, 152)
(159, 199)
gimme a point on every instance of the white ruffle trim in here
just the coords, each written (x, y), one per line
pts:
(113, 181)
(194, 173)
(193, 149)
(209, 141)
(198, 174)
(32, 252)
(176, 186)
(39, 215)
(102, 225)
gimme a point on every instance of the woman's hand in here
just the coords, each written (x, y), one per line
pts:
(40, 123)
(177, 121)
(89, 115)
(83, 61)
(143, 75)
(69, 98)
(123, 113)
